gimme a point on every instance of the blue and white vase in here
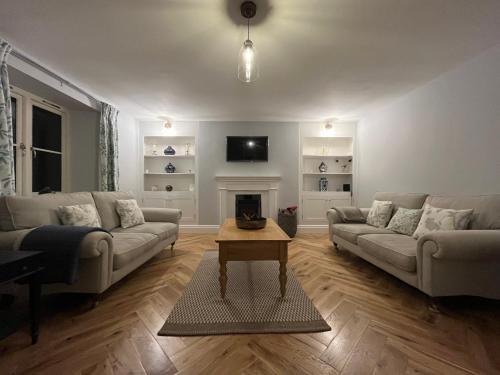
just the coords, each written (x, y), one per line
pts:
(169, 151)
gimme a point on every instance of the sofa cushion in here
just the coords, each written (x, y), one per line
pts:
(405, 200)
(350, 232)
(396, 249)
(129, 212)
(380, 213)
(83, 215)
(105, 202)
(486, 208)
(129, 246)
(31, 212)
(442, 219)
(162, 230)
(405, 221)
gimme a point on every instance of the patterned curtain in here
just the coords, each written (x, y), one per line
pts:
(108, 143)
(7, 178)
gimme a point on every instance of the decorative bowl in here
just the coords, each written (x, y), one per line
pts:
(258, 223)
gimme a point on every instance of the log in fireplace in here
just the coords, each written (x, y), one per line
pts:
(250, 204)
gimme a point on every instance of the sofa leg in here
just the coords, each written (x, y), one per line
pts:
(96, 299)
(172, 249)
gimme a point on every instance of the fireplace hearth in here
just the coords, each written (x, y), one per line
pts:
(248, 204)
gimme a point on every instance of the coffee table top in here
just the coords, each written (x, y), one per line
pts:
(230, 232)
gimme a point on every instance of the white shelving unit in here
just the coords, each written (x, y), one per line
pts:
(183, 181)
(337, 154)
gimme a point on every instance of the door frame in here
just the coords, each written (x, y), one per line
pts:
(24, 129)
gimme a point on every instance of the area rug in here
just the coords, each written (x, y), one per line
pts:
(252, 304)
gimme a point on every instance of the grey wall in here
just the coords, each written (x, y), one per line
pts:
(283, 161)
(84, 149)
(441, 138)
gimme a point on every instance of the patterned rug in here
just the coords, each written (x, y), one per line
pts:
(252, 304)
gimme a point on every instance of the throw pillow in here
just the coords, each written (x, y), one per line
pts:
(405, 221)
(84, 215)
(380, 214)
(438, 219)
(129, 212)
(350, 214)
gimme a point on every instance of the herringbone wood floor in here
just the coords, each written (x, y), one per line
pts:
(379, 326)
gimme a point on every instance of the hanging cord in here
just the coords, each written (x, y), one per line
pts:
(248, 28)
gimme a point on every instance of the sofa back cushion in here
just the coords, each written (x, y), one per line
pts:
(30, 212)
(105, 202)
(486, 214)
(405, 200)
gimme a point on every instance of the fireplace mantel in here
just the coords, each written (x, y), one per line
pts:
(229, 186)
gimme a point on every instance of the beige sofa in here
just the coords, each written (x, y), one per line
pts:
(104, 258)
(464, 262)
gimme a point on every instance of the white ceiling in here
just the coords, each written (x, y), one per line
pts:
(318, 58)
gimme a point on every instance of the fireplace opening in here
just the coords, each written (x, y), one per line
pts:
(249, 204)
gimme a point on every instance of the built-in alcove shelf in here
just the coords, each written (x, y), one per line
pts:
(337, 154)
(182, 182)
(325, 156)
(326, 173)
(170, 156)
(169, 174)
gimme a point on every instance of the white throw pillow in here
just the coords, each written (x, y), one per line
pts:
(436, 219)
(129, 212)
(84, 215)
(380, 213)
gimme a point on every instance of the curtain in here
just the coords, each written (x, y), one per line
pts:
(108, 144)
(7, 178)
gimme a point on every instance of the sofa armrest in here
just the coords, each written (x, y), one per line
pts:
(95, 244)
(164, 215)
(12, 239)
(365, 211)
(462, 262)
(481, 245)
(333, 217)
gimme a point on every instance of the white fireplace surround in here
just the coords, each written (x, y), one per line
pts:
(266, 186)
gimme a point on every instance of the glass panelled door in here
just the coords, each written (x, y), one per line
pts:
(46, 149)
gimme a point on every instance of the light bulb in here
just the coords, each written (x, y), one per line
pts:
(248, 69)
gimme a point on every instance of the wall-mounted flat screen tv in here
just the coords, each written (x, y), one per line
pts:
(246, 149)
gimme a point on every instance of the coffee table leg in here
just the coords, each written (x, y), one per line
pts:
(35, 292)
(222, 277)
(283, 278)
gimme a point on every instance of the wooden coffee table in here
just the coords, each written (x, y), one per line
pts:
(269, 243)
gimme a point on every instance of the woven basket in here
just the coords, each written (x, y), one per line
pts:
(288, 223)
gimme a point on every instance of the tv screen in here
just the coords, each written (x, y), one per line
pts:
(246, 149)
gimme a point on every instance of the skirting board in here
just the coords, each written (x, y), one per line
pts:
(191, 228)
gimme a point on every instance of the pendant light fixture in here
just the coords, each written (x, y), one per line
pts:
(248, 68)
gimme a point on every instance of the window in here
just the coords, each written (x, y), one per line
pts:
(39, 143)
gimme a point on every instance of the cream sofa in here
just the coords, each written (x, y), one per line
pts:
(104, 258)
(464, 262)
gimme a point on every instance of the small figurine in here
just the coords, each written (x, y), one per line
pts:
(169, 188)
(170, 168)
(323, 167)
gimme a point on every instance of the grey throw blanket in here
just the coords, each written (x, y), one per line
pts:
(61, 244)
(350, 214)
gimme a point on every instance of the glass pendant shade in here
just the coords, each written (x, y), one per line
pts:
(248, 68)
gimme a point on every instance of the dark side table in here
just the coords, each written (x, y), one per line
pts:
(24, 266)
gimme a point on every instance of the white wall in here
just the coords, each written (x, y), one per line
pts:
(127, 152)
(283, 161)
(443, 137)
